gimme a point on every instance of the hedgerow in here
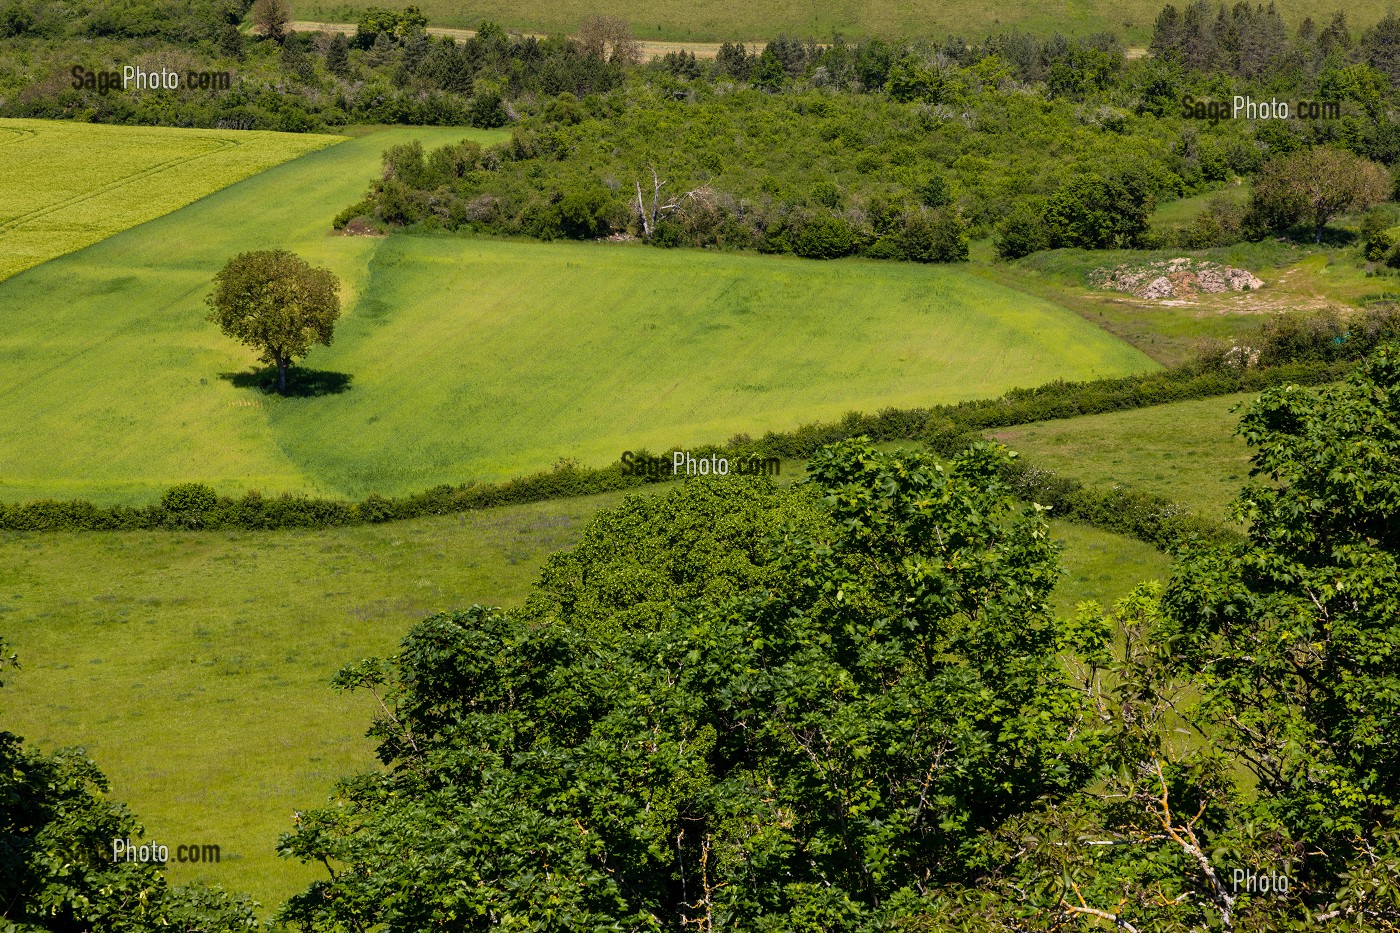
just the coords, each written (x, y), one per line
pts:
(945, 428)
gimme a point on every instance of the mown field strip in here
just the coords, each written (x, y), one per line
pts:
(8, 224)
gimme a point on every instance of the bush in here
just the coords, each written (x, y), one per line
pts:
(1023, 232)
(824, 237)
(933, 236)
(487, 111)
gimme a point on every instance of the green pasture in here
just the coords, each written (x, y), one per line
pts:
(106, 352)
(485, 358)
(71, 184)
(1187, 450)
(194, 666)
(724, 20)
(465, 359)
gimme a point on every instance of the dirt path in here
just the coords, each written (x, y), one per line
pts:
(649, 49)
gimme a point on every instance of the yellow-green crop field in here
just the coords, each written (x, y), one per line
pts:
(68, 185)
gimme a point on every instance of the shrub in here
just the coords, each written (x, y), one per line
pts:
(1023, 232)
(487, 111)
(933, 236)
(824, 237)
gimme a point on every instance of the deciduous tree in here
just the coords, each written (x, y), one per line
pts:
(270, 18)
(276, 303)
(1312, 186)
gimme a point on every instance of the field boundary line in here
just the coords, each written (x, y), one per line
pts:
(19, 135)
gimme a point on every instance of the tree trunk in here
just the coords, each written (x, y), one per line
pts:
(282, 376)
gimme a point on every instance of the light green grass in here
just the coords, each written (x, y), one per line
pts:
(722, 20)
(106, 351)
(71, 184)
(1184, 210)
(507, 355)
(194, 667)
(475, 359)
(1186, 451)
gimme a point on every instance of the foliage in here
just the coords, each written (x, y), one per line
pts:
(1289, 635)
(1314, 185)
(1096, 213)
(821, 750)
(705, 542)
(276, 303)
(747, 169)
(270, 19)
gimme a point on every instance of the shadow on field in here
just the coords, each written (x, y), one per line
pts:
(301, 382)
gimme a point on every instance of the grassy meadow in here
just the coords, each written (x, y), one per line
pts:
(71, 184)
(1187, 451)
(467, 359)
(733, 20)
(647, 348)
(194, 666)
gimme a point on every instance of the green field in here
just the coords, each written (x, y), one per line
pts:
(1186, 451)
(194, 666)
(71, 184)
(474, 359)
(734, 20)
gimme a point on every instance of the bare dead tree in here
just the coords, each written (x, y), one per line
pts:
(651, 214)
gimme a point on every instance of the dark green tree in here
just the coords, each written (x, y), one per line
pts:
(800, 733)
(276, 303)
(767, 72)
(1093, 212)
(734, 61)
(933, 236)
(338, 56)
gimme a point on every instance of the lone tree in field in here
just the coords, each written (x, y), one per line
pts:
(1314, 185)
(275, 302)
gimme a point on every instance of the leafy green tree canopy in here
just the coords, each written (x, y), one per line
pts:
(1311, 186)
(276, 303)
(809, 745)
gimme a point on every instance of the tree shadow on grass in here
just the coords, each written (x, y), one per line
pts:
(301, 382)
